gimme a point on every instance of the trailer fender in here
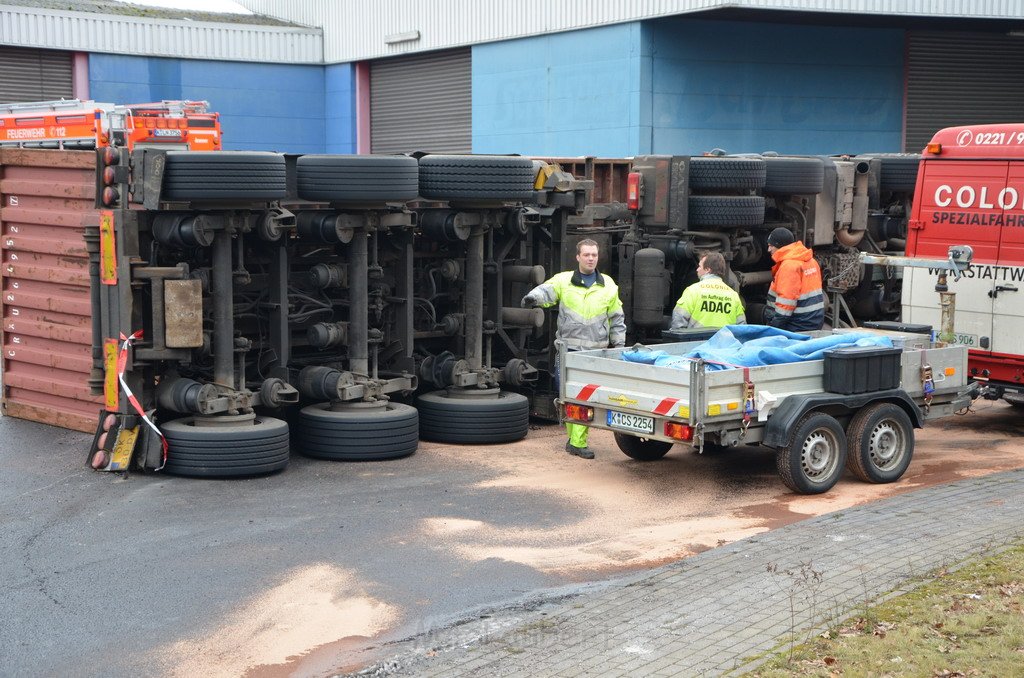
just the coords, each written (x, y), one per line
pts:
(788, 413)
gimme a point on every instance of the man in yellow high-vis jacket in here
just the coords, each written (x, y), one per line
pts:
(589, 316)
(709, 302)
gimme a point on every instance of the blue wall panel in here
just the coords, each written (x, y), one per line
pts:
(563, 94)
(340, 113)
(750, 87)
(265, 107)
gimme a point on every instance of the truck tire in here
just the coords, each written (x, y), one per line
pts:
(371, 434)
(816, 455)
(225, 451)
(357, 178)
(881, 443)
(461, 419)
(476, 177)
(732, 173)
(722, 210)
(642, 449)
(794, 176)
(224, 175)
(899, 170)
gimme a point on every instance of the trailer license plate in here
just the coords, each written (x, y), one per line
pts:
(968, 340)
(631, 422)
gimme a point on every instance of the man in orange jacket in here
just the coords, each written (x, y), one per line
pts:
(795, 300)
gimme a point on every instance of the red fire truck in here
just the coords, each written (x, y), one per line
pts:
(970, 189)
(77, 124)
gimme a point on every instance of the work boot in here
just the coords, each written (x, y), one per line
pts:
(583, 452)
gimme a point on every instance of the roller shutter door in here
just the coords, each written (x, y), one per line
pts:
(34, 75)
(421, 103)
(961, 79)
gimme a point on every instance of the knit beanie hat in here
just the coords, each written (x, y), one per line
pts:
(780, 237)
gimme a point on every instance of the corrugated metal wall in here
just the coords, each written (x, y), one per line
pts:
(356, 31)
(422, 103)
(34, 74)
(87, 32)
(961, 79)
(47, 200)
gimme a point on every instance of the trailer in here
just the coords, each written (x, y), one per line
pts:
(857, 408)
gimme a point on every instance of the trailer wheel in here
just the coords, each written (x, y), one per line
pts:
(794, 176)
(388, 431)
(737, 173)
(722, 210)
(881, 443)
(224, 175)
(816, 455)
(226, 451)
(357, 178)
(476, 177)
(642, 449)
(462, 418)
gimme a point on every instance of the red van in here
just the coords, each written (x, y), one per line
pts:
(970, 190)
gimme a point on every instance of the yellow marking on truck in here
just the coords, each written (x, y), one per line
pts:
(684, 411)
(714, 409)
(108, 250)
(623, 400)
(110, 394)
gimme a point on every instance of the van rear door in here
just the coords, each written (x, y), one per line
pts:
(957, 203)
(1008, 288)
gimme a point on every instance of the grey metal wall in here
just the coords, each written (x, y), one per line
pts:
(34, 74)
(355, 31)
(422, 103)
(118, 34)
(961, 79)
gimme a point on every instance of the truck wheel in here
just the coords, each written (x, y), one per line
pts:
(476, 177)
(794, 176)
(642, 449)
(899, 170)
(881, 443)
(462, 418)
(814, 459)
(357, 434)
(251, 449)
(224, 175)
(357, 178)
(721, 210)
(738, 173)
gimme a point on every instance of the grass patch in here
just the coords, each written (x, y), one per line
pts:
(964, 623)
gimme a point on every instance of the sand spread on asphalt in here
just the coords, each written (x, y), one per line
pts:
(314, 606)
(626, 515)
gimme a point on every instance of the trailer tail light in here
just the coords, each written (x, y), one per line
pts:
(633, 186)
(934, 149)
(106, 189)
(579, 413)
(678, 431)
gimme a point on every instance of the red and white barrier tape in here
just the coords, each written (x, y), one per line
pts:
(122, 362)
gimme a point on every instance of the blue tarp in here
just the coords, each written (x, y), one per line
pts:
(756, 345)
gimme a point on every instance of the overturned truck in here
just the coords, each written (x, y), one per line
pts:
(250, 305)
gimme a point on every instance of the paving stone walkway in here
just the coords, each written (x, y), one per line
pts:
(722, 612)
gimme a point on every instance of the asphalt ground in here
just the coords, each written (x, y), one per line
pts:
(322, 568)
